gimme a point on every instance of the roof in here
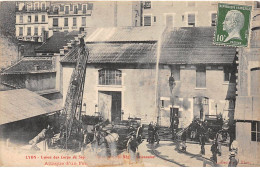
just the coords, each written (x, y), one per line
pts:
(56, 42)
(193, 45)
(189, 45)
(21, 104)
(116, 53)
(29, 64)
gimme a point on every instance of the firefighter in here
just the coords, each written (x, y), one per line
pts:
(133, 146)
(232, 159)
(202, 143)
(183, 141)
(219, 139)
(214, 150)
(150, 133)
(156, 133)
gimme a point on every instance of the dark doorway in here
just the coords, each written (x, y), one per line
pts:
(110, 105)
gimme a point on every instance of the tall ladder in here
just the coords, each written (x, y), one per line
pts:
(73, 102)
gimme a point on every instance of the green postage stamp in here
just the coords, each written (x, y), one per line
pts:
(233, 25)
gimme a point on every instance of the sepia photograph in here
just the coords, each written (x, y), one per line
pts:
(129, 83)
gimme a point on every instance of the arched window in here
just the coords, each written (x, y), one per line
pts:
(109, 77)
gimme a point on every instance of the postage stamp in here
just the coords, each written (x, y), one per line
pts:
(233, 25)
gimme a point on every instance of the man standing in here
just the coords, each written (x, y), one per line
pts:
(202, 142)
(214, 150)
(133, 147)
(219, 140)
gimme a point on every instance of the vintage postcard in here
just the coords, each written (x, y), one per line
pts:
(129, 84)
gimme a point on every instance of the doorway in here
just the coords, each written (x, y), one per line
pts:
(109, 105)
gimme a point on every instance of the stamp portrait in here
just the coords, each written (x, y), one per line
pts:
(233, 24)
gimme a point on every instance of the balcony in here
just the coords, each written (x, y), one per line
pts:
(24, 10)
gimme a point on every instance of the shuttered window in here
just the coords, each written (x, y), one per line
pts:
(36, 18)
(55, 22)
(83, 21)
(90, 6)
(169, 20)
(191, 19)
(84, 9)
(201, 77)
(36, 31)
(75, 10)
(62, 8)
(66, 9)
(213, 19)
(74, 22)
(20, 31)
(29, 31)
(43, 18)
(147, 20)
(66, 22)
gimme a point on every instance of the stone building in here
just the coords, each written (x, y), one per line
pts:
(182, 13)
(247, 110)
(123, 79)
(36, 21)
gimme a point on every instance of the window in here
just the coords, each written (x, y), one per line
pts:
(36, 18)
(36, 31)
(43, 18)
(80, 6)
(162, 103)
(43, 29)
(75, 10)
(201, 77)
(154, 19)
(169, 20)
(90, 6)
(227, 74)
(36, 6)
(257, 5)
(255, 81)
(175, 70)
(147, 4)
(29, 19)
(110, 77)
(83, 21)
(200, 106)
(62, 8)
(74, 22)
(213, 19)
(84, 9)
(29, 31)
(191, 19)
(21, 19)
(255, 131)
(55, 22)
(20, 31)
(66, 9)
(147, 20)
(66, 22)
(43, 6)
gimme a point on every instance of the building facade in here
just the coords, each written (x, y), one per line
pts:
(36, 21)
(182, 13)
(247, 105)
(129, 85)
